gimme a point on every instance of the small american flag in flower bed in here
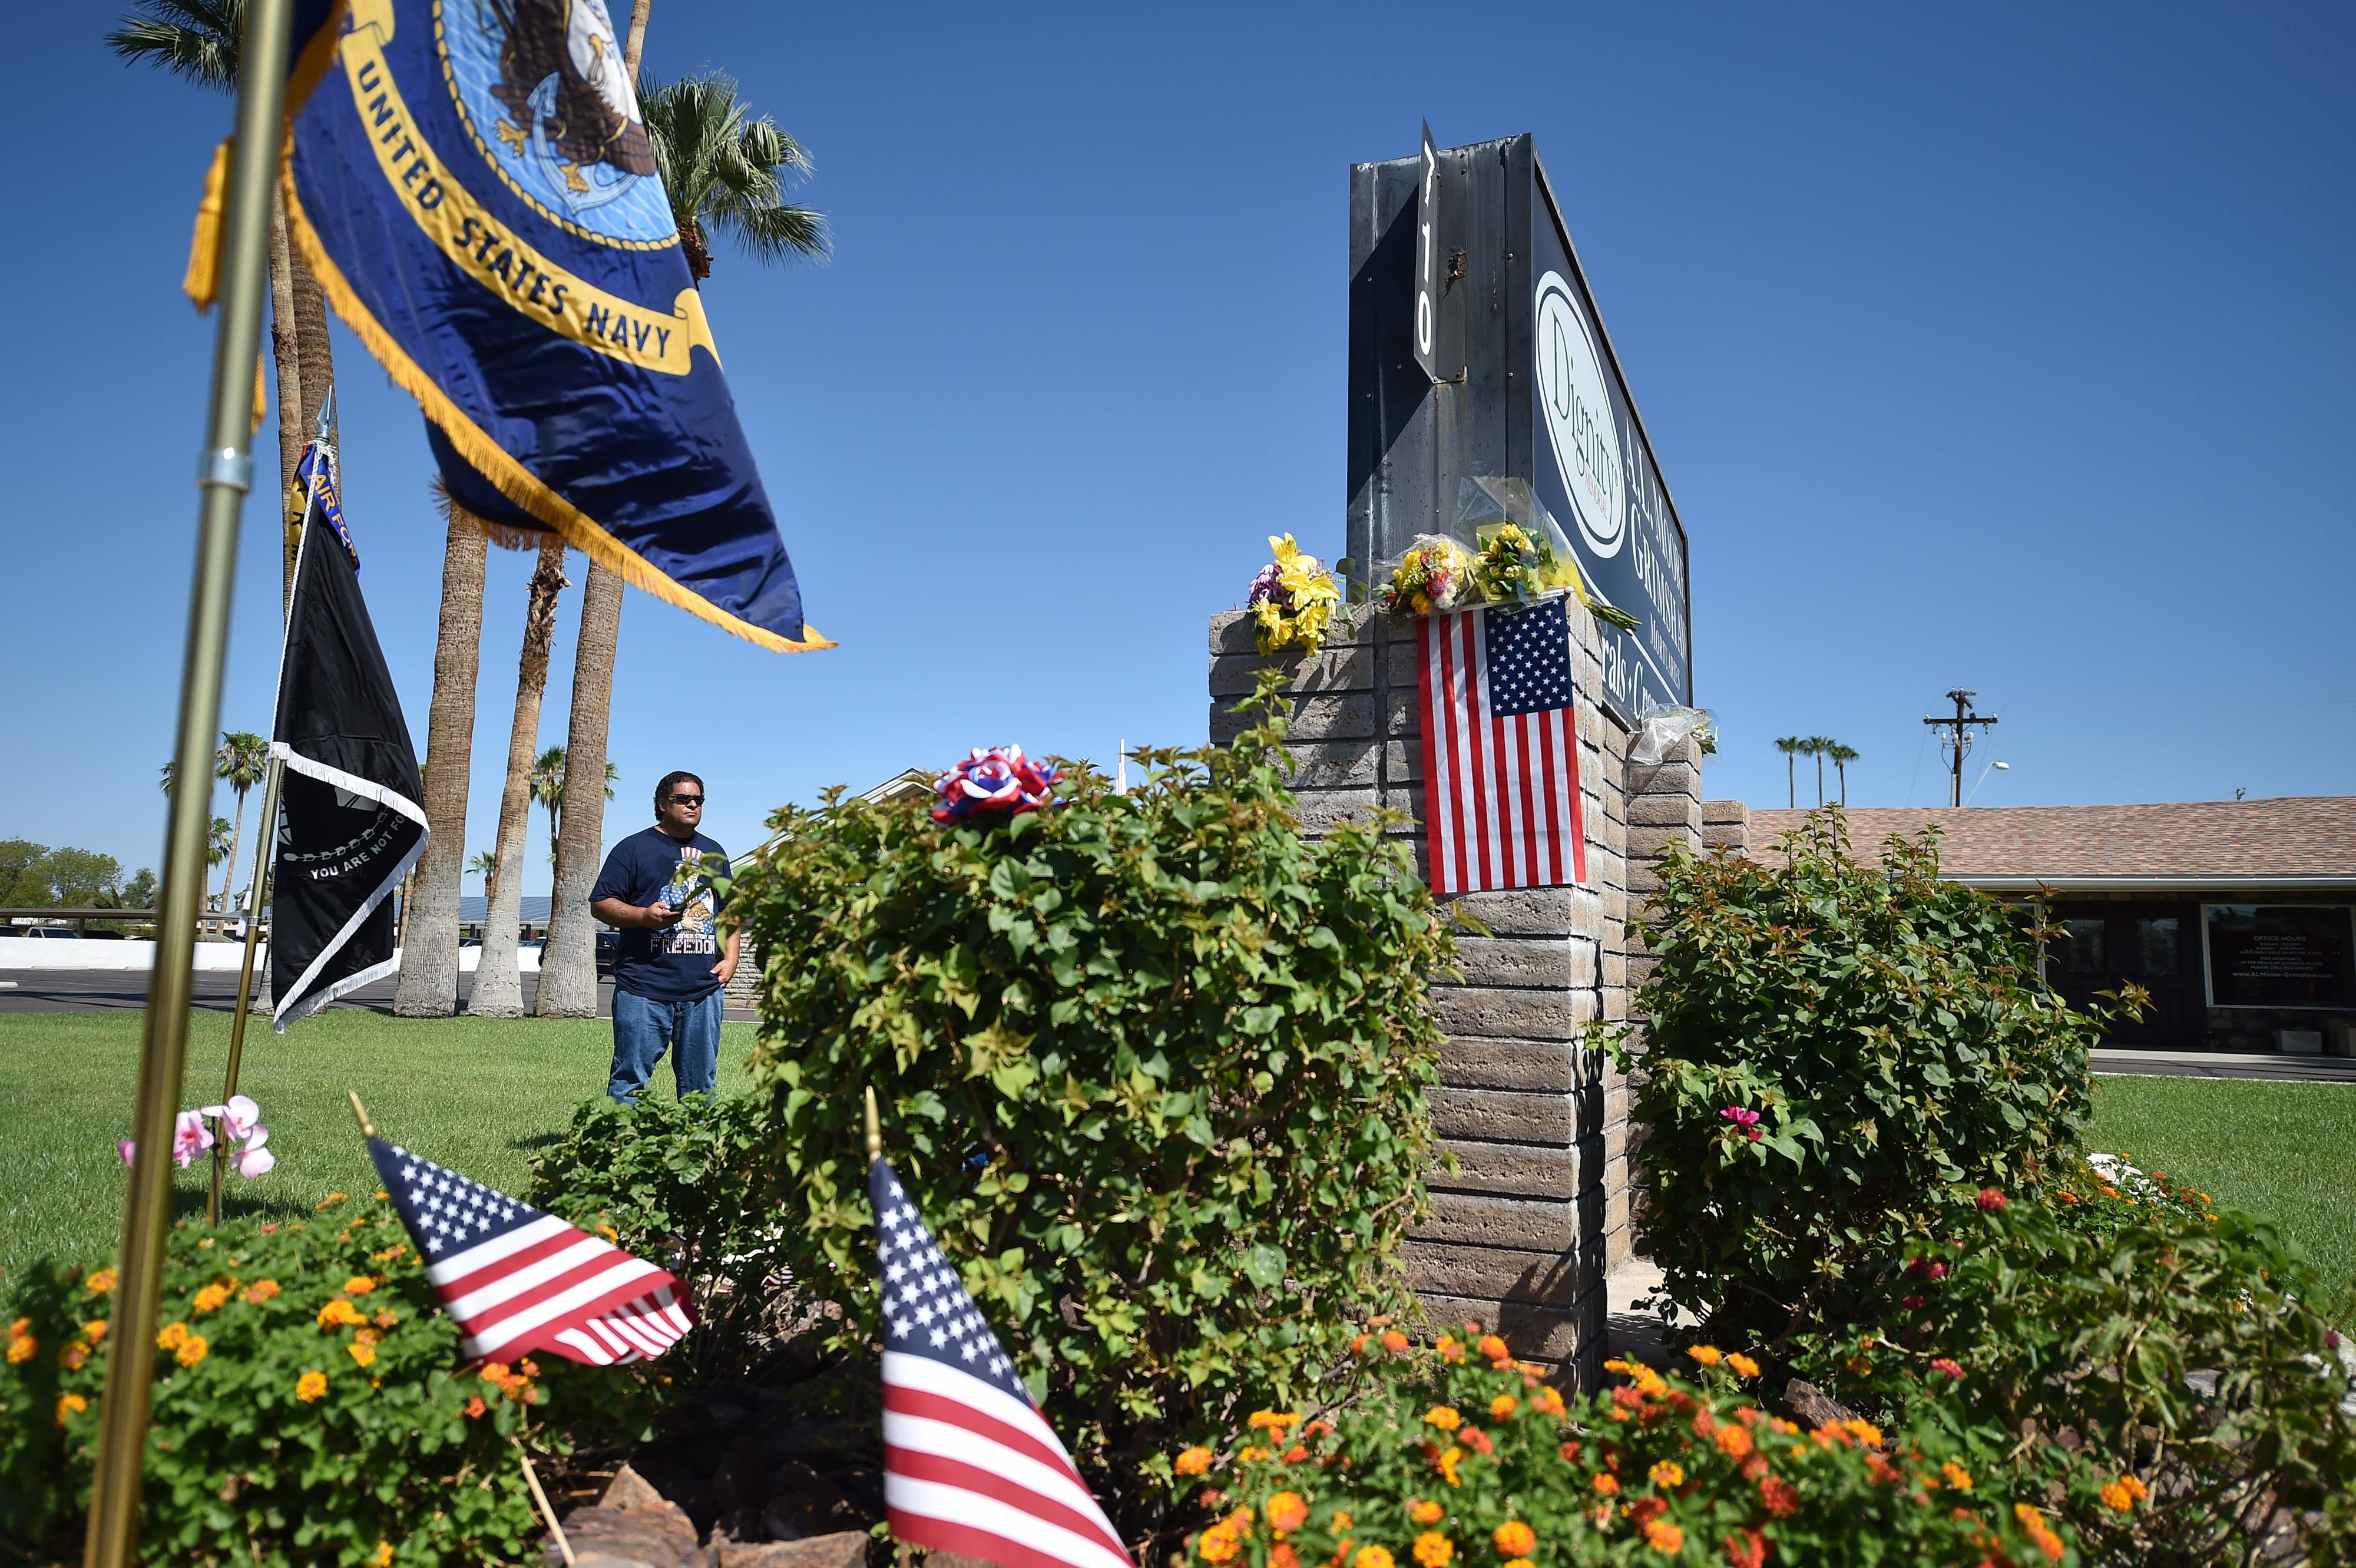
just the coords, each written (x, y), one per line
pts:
(515, 1279)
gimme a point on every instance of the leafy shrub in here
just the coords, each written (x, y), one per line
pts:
(1833, 1046)
(1445, 1457)
(307, 1404)
(682, 1184)
(1154, 1069)
(2179, 1346)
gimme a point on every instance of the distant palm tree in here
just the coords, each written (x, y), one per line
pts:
(485, 864)
(1790, 745)
(1842, 757)
(548, 789)
(202, 42)
(240, 762)
(1817, 745)
(220, 844)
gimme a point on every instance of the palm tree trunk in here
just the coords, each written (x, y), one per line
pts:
(568, 963)
(288, 356)
(498, 982)
(1820, 779)
(311, 342)
(429, 960)
(1791, 781)
(1841, 769)
(236, 834)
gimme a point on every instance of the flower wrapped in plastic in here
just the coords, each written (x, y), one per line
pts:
(1515, 563)
(1436, 574)
(998, 781)
(1291, 599)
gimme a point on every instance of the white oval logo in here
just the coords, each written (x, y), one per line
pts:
(1578, 420)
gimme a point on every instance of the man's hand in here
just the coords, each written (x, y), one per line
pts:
(659, 913)
(725, 969)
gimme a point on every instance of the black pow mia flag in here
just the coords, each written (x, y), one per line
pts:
(353, 821)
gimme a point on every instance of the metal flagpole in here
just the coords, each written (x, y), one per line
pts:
(261, 861)
(224, 474)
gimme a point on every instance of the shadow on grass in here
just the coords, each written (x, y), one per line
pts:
(188, 1203)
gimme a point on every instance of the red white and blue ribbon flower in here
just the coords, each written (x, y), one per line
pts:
(998, 781)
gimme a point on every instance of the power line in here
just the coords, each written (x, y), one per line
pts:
(1959, 740)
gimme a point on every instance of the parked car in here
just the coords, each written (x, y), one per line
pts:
(609, 949)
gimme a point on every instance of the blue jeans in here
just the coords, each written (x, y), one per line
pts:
(643, 1030)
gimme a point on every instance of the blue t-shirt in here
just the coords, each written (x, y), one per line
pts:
(674, 964)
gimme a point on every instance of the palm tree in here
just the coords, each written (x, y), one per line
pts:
(1790, 745)
(429, 953)
(202, 42)
(499, 981)
(240, 761)
(486, 864)
(548, 789)
(220, 844)
(1842, 757)
(724, 172)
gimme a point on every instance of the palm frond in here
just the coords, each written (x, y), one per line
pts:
(724, 168)
(779, 234)
(198, 40)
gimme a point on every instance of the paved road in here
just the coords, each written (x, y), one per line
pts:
(2224, 1063)
(104, 990)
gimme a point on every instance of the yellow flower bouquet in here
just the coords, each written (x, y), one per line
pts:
(1293, 599)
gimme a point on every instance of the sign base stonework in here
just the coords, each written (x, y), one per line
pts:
(1537, 1211)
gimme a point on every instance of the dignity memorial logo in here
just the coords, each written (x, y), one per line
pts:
(1572, 391)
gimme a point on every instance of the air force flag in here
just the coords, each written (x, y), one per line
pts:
(474, 186)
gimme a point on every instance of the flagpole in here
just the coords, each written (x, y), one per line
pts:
(267, 841)
(224, 474)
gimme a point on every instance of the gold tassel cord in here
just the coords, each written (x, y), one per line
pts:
(202, 279)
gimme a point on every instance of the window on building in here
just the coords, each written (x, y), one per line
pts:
(2155, 947)
(2082, 947)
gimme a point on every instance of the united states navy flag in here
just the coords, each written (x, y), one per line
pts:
(471, 182)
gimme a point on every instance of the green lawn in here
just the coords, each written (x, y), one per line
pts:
(478, 1094)
(2283, 1150)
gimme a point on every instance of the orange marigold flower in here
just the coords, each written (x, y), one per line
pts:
(19, 1329)
(2134, 1488)
(474, 1406)
(261, 1290)
(1782, 1499)
(1252, 1453)
(1570, 1451)
(1434, 1550)
(171, 1336)
(1748, 1550)
(1449, 1349)
(192, 1351)
(1444, 1417)
(1708, 1355)
(1422, 1512)
(311, 1385)
(332, 1198)
(1786, 1427)
(1372, 1557)
(1281, 1555)
(1743, 1365)
(95, 1329)
(1503, 1406)
(1605, 1485)
(1754, 1467)
(383, 1558)
(102, 1282)
(1664, 1538)
(1667, 1472)
(1546, 1402)
(1477, 1440)
(1446, 1465)
(1521, 1563)
(1394, 1341)
(358, 1284)
(23, 1347)
(1734, 1442)
(210, 1298)
(1881, 1469)
(364, 1353)
(1358, 1344)
(1218, 1544)
(73, 1357)
(1513, 1538)
(1286, 1511)
(386, 1319)
(70, 1405)
(1342, 1522)
(1956, 1476)
(1493, 1347)
(339, 1314)
(1865, 1431)
(1296, 1453)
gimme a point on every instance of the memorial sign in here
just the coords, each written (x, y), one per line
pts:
(2284, 955)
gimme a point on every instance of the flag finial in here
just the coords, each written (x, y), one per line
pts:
(368, 1128)
(874, 1128)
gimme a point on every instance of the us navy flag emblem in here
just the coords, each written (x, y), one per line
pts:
(474, 186)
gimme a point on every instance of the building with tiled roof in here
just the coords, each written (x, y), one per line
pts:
(2239, 917)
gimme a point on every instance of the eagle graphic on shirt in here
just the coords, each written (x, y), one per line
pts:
(689, 892)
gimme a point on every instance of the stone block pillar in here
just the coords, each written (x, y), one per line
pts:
(1522, 1231)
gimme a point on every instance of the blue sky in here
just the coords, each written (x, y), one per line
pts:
(2001, 347)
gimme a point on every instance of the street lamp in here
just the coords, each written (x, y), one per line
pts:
(1991, 768)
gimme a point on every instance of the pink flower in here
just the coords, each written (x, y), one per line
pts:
(253, 1160)
(127, 1148)
(1745, 1119)
(1927, 1269)
(1991, 1200)
(237, 1118)
(1947, 1366)
(189, 1137)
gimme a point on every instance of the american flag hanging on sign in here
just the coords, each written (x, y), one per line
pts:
(1500, 749)
(518, 1280)
(969, 1464)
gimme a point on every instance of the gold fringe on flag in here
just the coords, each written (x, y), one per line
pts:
(203, 278)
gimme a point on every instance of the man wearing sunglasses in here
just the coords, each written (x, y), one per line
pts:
(671, 970)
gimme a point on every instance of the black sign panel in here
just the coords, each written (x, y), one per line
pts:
(2279, 955)
(1542, 398)
(1427, 263)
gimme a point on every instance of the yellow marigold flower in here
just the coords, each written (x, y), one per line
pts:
(383, 1558)
(1547, 1401)
(193, 1350)
(1521, 1563)
(1192, 1461)
(332, 1198)
(1286, 1511)
(1434, 1550)
(358, 1284)
(1605, 1483)
(340, 1314)
(261, 1290)
(1708, 1355)
(1513, 1538)
(1503, 1406)
(382, 1196)
(1743, 1365)
(102, 1282)
(1865, 1431)
(2135, 1488)
(1251, 1454)
(1343, 1523)
(364, 1353)
(1372, 1557)
(73, 1357)
(311, 1385)
(1447, 1464)
(1218, 1544)
(209, 1299)
(1664, 1538)
(1786, 1427)
(23, 1348)
(95, 1329)
(1957, 1478)
(2115, 1496)
(171, 1336)
(1493, 1347)
(70, 1405)
(1444, 1417)
(1668, 1473)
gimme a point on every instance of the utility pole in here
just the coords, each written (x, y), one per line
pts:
(1959, 739)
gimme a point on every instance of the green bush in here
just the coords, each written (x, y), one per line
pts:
(1834, 1047)
(1442, 1458)
(307, 1407)
(682, 1183)
(2176, 1350)
(1153, 1067)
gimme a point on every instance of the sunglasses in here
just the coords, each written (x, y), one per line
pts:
(687, 800)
